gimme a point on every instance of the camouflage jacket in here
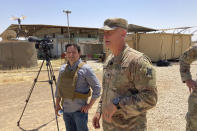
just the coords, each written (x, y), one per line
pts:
(185, 60)
(131, 77)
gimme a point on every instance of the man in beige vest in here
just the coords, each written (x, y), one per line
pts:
(129, 83)
(73, 89)
(186, 59)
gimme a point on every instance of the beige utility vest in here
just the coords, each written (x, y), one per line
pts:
(67, 84)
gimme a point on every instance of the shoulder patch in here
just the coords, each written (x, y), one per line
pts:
(146, 68)
(149, 72)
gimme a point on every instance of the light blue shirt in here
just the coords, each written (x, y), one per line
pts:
(86, 80)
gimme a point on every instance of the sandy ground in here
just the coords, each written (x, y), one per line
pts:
(168, 115)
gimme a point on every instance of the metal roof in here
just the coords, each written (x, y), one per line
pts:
(30, 29)
(137, 28)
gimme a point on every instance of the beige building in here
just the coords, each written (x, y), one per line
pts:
(15, 53)
(90, 39)
(157, 45)
(160, 46)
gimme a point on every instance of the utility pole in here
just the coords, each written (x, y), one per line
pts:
(68, 12)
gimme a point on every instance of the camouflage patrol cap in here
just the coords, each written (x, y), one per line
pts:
(113, 23)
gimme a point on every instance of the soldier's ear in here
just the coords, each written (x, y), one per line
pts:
(123, 33)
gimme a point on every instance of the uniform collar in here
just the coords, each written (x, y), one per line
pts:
(119, 57)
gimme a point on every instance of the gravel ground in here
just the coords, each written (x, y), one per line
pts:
(168, 115)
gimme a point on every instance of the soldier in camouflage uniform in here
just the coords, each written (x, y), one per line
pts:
(129, 83)
(186, 59)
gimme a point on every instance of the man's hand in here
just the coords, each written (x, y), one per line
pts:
(86, 108)
(108, 111)
(57, 108)
(191, 85)
(95, 120)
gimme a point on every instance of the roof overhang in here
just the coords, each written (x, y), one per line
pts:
(31, 29)
(137, 28)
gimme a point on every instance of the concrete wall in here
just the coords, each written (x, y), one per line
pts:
(58, 48)
(91, 49)
(17, 54)
(78, 36)
(88, 46)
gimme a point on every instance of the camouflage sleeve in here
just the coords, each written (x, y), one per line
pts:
(185, 60)
(145, 84)
(99, 108)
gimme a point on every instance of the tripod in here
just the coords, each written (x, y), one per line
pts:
(51, 78)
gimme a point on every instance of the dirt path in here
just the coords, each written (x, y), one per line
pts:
(168, 115)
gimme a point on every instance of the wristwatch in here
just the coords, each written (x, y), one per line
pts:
(116, 101)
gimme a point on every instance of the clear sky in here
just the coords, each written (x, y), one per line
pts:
(91, 13)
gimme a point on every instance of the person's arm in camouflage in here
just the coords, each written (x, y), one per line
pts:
(97, 116)
(145, 83)
(99, 108)
(186, 59)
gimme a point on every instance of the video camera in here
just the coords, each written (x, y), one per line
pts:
(44, 46)
(45, 43)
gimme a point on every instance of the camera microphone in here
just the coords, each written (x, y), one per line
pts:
(34, 39)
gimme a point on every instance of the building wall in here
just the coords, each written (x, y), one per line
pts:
(160, 46)
(79, 36)
(91, 49)
(17, 54)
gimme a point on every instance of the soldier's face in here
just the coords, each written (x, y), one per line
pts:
(112, 38)
(72, 54)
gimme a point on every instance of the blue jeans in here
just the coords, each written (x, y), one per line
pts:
(76, 121)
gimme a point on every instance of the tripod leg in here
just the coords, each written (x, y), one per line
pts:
(52, 72)
(51, 75)
(30, 92)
